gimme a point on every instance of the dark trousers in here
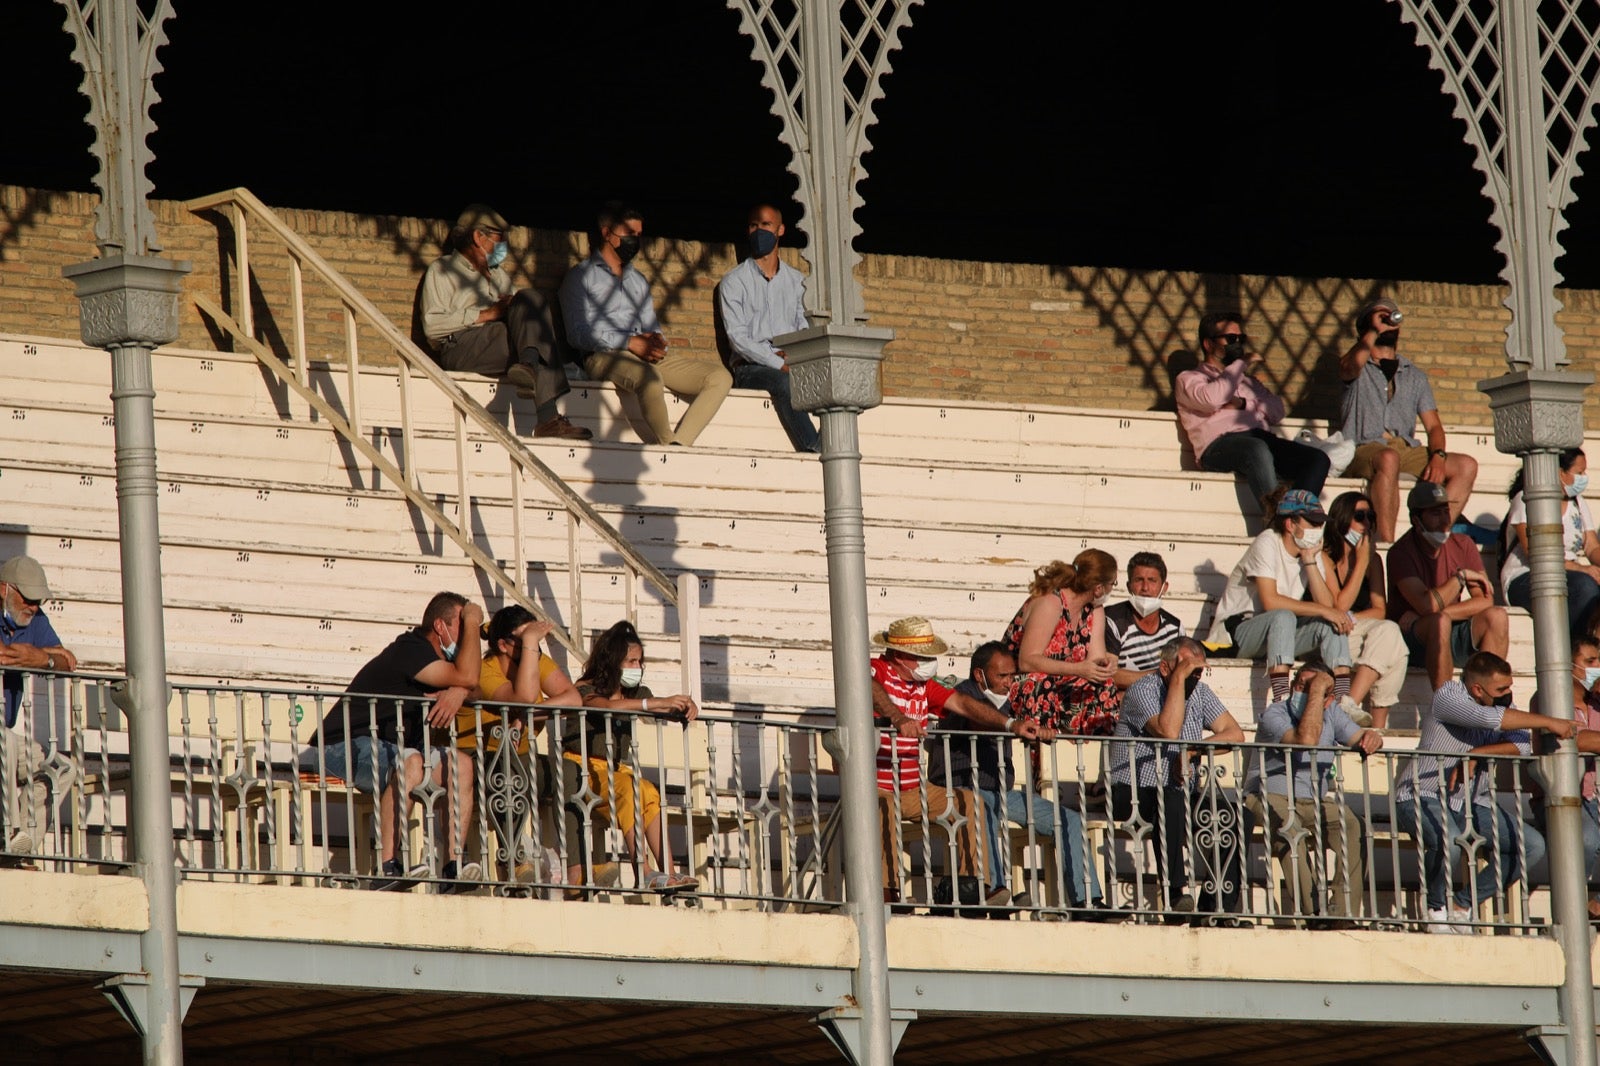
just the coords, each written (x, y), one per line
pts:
(1264, 460)
(775, 383)
(1214, 823)
(524, 335)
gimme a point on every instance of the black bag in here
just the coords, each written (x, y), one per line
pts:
(944, 895)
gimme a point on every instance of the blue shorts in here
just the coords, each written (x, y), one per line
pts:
(1461, 648)
(360, 772)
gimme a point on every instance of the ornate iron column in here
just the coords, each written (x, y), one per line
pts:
(129, 305)
(824, 62)
(1524, 78)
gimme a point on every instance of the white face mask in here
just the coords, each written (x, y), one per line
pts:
(926, 669)
(631, 676)
(1436, 539)
(1311, 538)
(1145, 605)
(1591, 674)
(996, 698)
(1580, 485)
(1352, 537)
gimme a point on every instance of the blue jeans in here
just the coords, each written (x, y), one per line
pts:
(1263, 460)
(1504, 838)
(1591, 838)
(775, 383)
(1281, 637)
(1014, 805)
(1582, 595)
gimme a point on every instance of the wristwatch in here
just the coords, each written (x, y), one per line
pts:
(49, 661)
(1440, 453)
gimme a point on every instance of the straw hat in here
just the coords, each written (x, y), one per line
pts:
(914, 636)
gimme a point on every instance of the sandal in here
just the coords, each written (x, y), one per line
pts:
(661, 881)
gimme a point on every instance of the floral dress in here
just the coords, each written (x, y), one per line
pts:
(1070, 704)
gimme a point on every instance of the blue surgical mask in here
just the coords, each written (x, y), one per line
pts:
(1297, 704)
(1591, 674)
(632, 676)
(498, 253)
(762, 242)
(449, 651)
(1579, 486)
(1353, 537)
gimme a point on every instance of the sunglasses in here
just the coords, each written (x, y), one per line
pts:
(1363, 515)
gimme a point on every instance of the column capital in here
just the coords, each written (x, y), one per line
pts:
(1537, 410)
(834, 367)
(128, 299)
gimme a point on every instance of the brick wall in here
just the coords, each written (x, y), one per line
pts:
(1079, 336)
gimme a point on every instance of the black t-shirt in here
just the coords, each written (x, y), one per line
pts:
(393, 672)
(993, 751)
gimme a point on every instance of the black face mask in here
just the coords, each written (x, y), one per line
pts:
(1389, 338)
(627, 248)
(1232, 353)
(1503, 701)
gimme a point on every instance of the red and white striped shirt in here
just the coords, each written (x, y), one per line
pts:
(916, 700)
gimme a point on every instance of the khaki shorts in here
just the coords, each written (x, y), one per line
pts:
(1413, 461)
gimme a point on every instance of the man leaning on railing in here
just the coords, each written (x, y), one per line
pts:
(370, 741)
(1316, 819)
(27, 642)
(1468, 722)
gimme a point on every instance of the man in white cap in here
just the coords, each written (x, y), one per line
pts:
(1384, 395)
(904, 694)
(477, 321)
(27, 642)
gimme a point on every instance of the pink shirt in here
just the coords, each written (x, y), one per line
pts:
(1588, 716)
(1204, 398)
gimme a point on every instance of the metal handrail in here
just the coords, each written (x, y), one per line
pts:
(240, 203)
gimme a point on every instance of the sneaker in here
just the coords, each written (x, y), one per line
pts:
(395, 878)
(460, 880)
(1445, 920)
(561, 428)
(1355, 712)
(521, 375)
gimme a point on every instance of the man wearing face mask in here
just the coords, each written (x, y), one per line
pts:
(761, 298)
(375, 734)
(951, 764)
(1439, 593)
(1227, 414)
(27, 642)
(1308, 818)
(1384, 395)
(1468, 720)
(1162, 714)
(612, 321)
(1139, 627)
(477, 322)
(905, 694)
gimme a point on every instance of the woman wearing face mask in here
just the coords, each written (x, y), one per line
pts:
(1064, 673)
(1578, 542)
(1353, 572)
(1277, 606)
(613, 680)
(1586, 712)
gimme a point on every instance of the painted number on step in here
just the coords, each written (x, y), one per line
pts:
(421, 569)
(108, 420)
(197, 427)
(281, 433)
(65, 544)
(1104, 482)
(1195, 486)
(766, 405)
(235, 618)
(941, 412)
(1124, 423)
(86, 479)
(174, 488)
(325, 624)
(327, 562)
(351, 501)
(263, 494)
(1030, 418)
(18, 415)
(30, 349)
(241, 557)
(207, 364)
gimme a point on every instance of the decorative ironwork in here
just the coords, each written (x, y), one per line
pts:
(803, 85)
(115, 42)
(1472, 43)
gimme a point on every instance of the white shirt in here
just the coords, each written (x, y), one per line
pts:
(1575, 522)
(1266, 557)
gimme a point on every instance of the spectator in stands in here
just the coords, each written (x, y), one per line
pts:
(1227, 414)
(1586, 714)
(1384, 395)
(378, 744)
(27, 642)
(1353, 572)
(1578, 542)
(984, 765)
(612, 322)
(1139, 627)
(1162, 716)
(1058, 637)
(1438, 590)
(904, 695)
(1277, 606)
(1316, 820)
(516, 671)
(477, 322)
(612, 684)
(761, 298)
(1468, 721)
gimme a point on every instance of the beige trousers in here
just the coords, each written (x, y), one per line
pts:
(704, 383)
(1331, 825)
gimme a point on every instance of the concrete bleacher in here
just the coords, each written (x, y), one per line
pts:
(286, 556)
